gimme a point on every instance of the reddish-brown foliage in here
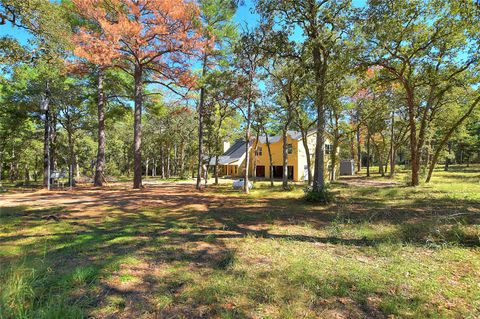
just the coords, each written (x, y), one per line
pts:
(157, 35)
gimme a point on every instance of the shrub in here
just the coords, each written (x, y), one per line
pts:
(323, 196)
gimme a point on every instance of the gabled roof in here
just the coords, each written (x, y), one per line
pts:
(233, 156)
(294, 135)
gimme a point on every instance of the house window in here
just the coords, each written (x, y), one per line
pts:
(328, 148)
(289, 149)
(259, 151)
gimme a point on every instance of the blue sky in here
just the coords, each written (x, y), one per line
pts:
(243, 16)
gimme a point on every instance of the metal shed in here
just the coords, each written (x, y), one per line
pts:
(347, 167)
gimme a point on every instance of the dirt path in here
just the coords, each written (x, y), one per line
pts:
(361, 181)
(87, 199)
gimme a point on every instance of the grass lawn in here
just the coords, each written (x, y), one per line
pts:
(381, 250)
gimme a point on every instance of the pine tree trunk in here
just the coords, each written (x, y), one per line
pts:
(201, 107)
(247, 155)
(100, 165)
(46, 150)
(285, 159)
(137, 128)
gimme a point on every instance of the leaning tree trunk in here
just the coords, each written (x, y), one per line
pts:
(100, 165)
(137, 128)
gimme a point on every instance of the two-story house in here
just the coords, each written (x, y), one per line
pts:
(232, 162)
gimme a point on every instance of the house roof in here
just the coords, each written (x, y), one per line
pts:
(233, 156)
(294, 135)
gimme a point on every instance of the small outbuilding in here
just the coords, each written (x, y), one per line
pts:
(347, 167)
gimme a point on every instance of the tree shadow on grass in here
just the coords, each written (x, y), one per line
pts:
(155, 252)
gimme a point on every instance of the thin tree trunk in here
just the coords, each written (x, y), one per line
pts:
(27, 175)
(285, 159)
(46, 151)
(255, 155)
(307, 154)
(392, 152)
(359, 151)
(414, 156)
(146, 167)
(216, 169)
(368, 154)
(53, 142)
(447, 137)
(71, 159)
(201, 107)
(100, 165)
(247, 155)
(333, 158)
(137, 128)
(447, 159)
(270, 159)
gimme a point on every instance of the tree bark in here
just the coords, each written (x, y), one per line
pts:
(392, 147)
(201, 106)
(333, 157)
(413, 136)
(71, 160)
(307, 154)
(100, 165)
(137, 128)
(254, 170)
(46, 150)
(320, 72)
(359, 151)
(285, 159)
(368, 154)
(270, 159)
(447, 137)
(147, 161)
(216, 169)
(247, 155)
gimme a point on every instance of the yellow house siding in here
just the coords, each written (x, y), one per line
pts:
(298, 158)
(277, 157)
